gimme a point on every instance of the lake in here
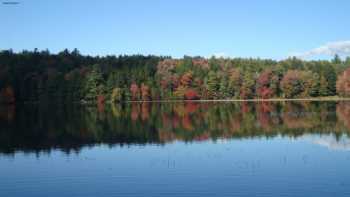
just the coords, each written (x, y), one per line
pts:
(176, 149)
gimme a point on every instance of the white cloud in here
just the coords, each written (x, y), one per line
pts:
(341, 48)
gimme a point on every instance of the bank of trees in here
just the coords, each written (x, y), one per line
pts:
(39, 76)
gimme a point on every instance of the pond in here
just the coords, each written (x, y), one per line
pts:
(176, 149)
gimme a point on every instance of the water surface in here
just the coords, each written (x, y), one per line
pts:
(176, 149)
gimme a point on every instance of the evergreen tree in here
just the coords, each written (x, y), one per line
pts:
(323, 91)
(213, 84)
(224, 88)
(94, 85)
(336, 59)
(248, 86)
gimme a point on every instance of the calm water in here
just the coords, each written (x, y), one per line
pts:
(176, 149)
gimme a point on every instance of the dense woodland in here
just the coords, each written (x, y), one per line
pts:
(39, 76)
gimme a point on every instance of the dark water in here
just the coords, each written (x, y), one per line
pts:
(176, 149)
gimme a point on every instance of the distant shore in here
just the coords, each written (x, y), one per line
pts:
(333, 98)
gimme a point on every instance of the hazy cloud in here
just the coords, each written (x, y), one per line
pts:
(340, 47)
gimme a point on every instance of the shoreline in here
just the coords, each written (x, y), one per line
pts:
(248, 100)
(334, 99)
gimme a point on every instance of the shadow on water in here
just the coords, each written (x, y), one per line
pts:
(42, 128)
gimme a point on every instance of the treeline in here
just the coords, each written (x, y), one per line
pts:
(38, 76)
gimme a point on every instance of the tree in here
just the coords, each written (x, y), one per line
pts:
(323, 87)
(234, 82)
(311, 84)
(213, 85)
(329, 75)
(248, 86)
(343, 83)
(296, 83)
(94, 85)
(336, 59)
(347, 60)
(186, 79)
(267, 84)
(224, 86)
(180, 92)
(291, 84)
(191, 94)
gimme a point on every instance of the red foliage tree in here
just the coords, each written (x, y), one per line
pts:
(265, 83)
(201, 63)
(191, 94)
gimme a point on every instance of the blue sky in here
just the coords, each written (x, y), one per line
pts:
(252, 28)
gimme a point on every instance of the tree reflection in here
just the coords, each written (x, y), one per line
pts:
(42, 128)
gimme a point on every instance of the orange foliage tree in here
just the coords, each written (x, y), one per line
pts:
(343, 83)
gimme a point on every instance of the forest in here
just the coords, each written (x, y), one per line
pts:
(70, 77)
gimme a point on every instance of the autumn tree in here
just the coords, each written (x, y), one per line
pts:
(191, 94)
(186, 79)
(267, 84)
(343, 83)
(296, 83)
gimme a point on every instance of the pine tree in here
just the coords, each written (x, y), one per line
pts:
(323, 91)
(248, 86)
(94, 85)
(224, 88)
(336, 59)
(213, 85)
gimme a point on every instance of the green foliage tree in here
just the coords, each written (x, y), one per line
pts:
(94, 84)
(248, 86)
(213, 84)
(323, 91)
